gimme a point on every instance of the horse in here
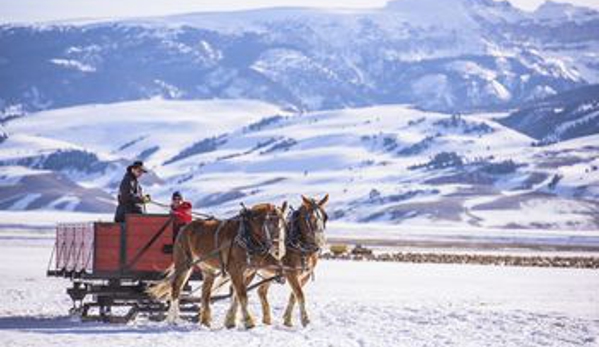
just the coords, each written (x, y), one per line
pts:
(304, 240)
(235, 247)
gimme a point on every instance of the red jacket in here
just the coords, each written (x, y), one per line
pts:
(182, 213)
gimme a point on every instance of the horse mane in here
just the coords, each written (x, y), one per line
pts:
(294, 226)
(262, 208)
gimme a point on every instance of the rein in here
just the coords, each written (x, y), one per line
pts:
(168, 207)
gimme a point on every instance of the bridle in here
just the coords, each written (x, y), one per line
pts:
(296, 240)
(248, 241)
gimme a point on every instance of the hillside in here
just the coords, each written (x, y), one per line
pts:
(560, 117)
(387, 164)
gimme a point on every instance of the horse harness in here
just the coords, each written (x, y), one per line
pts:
(245, 238)
(254, 247)
(295, 241)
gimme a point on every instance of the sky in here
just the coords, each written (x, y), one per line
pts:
(55, 10)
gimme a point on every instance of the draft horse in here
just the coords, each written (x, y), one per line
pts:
(304, 240)
(238, 246)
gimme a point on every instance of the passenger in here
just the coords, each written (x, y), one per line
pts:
(181, 211)
(131, 198)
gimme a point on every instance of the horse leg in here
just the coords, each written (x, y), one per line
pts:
(287, 317)
(304, 312)
(239, 284)
(205, 316)
(180, 273)
(231, 316)
(263, 294)
(181, 277)
(298, 294)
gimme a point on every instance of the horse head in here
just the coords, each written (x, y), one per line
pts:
(312, 220)
(267, 228)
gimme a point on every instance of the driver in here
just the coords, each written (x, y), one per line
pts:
(131, 198)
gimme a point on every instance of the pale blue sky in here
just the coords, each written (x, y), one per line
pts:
(49, 10)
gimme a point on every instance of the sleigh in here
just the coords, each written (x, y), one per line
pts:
(110, 266)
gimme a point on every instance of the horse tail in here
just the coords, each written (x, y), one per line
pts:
(163, 289)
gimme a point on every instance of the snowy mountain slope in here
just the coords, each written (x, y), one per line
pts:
(564, 116)
(396, 164)
(454, 55)
(22, 188)
(389, 164)
(107, 129)
(80, 149)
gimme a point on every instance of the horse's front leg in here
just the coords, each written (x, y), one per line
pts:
(231, 316)
(238, 281)
(205, 313)
(288, 315)
(296, 284)
(263, 294)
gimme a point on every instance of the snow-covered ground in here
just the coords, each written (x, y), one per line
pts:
(351, 304)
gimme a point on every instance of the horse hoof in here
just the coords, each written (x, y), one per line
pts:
(249, 323)
(230, 323)
(305, 322)
(288, 323)
(266, 321)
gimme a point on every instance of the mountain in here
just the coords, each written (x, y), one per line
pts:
(401, 114)
(386, 164)
(561, 117)
(26, 189)
(449, 56)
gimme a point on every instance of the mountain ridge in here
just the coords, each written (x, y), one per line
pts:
(560, 117)
(301, 59)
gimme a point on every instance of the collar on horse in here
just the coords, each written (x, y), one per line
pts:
(246, 239)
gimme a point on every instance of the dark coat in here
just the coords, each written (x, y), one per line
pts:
(130, 198)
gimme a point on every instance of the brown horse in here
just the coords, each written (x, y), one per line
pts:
(237, 247)
(305, 238)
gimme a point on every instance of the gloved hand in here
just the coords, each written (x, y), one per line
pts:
(146, 198)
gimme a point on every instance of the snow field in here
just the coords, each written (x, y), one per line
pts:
(350, 304)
